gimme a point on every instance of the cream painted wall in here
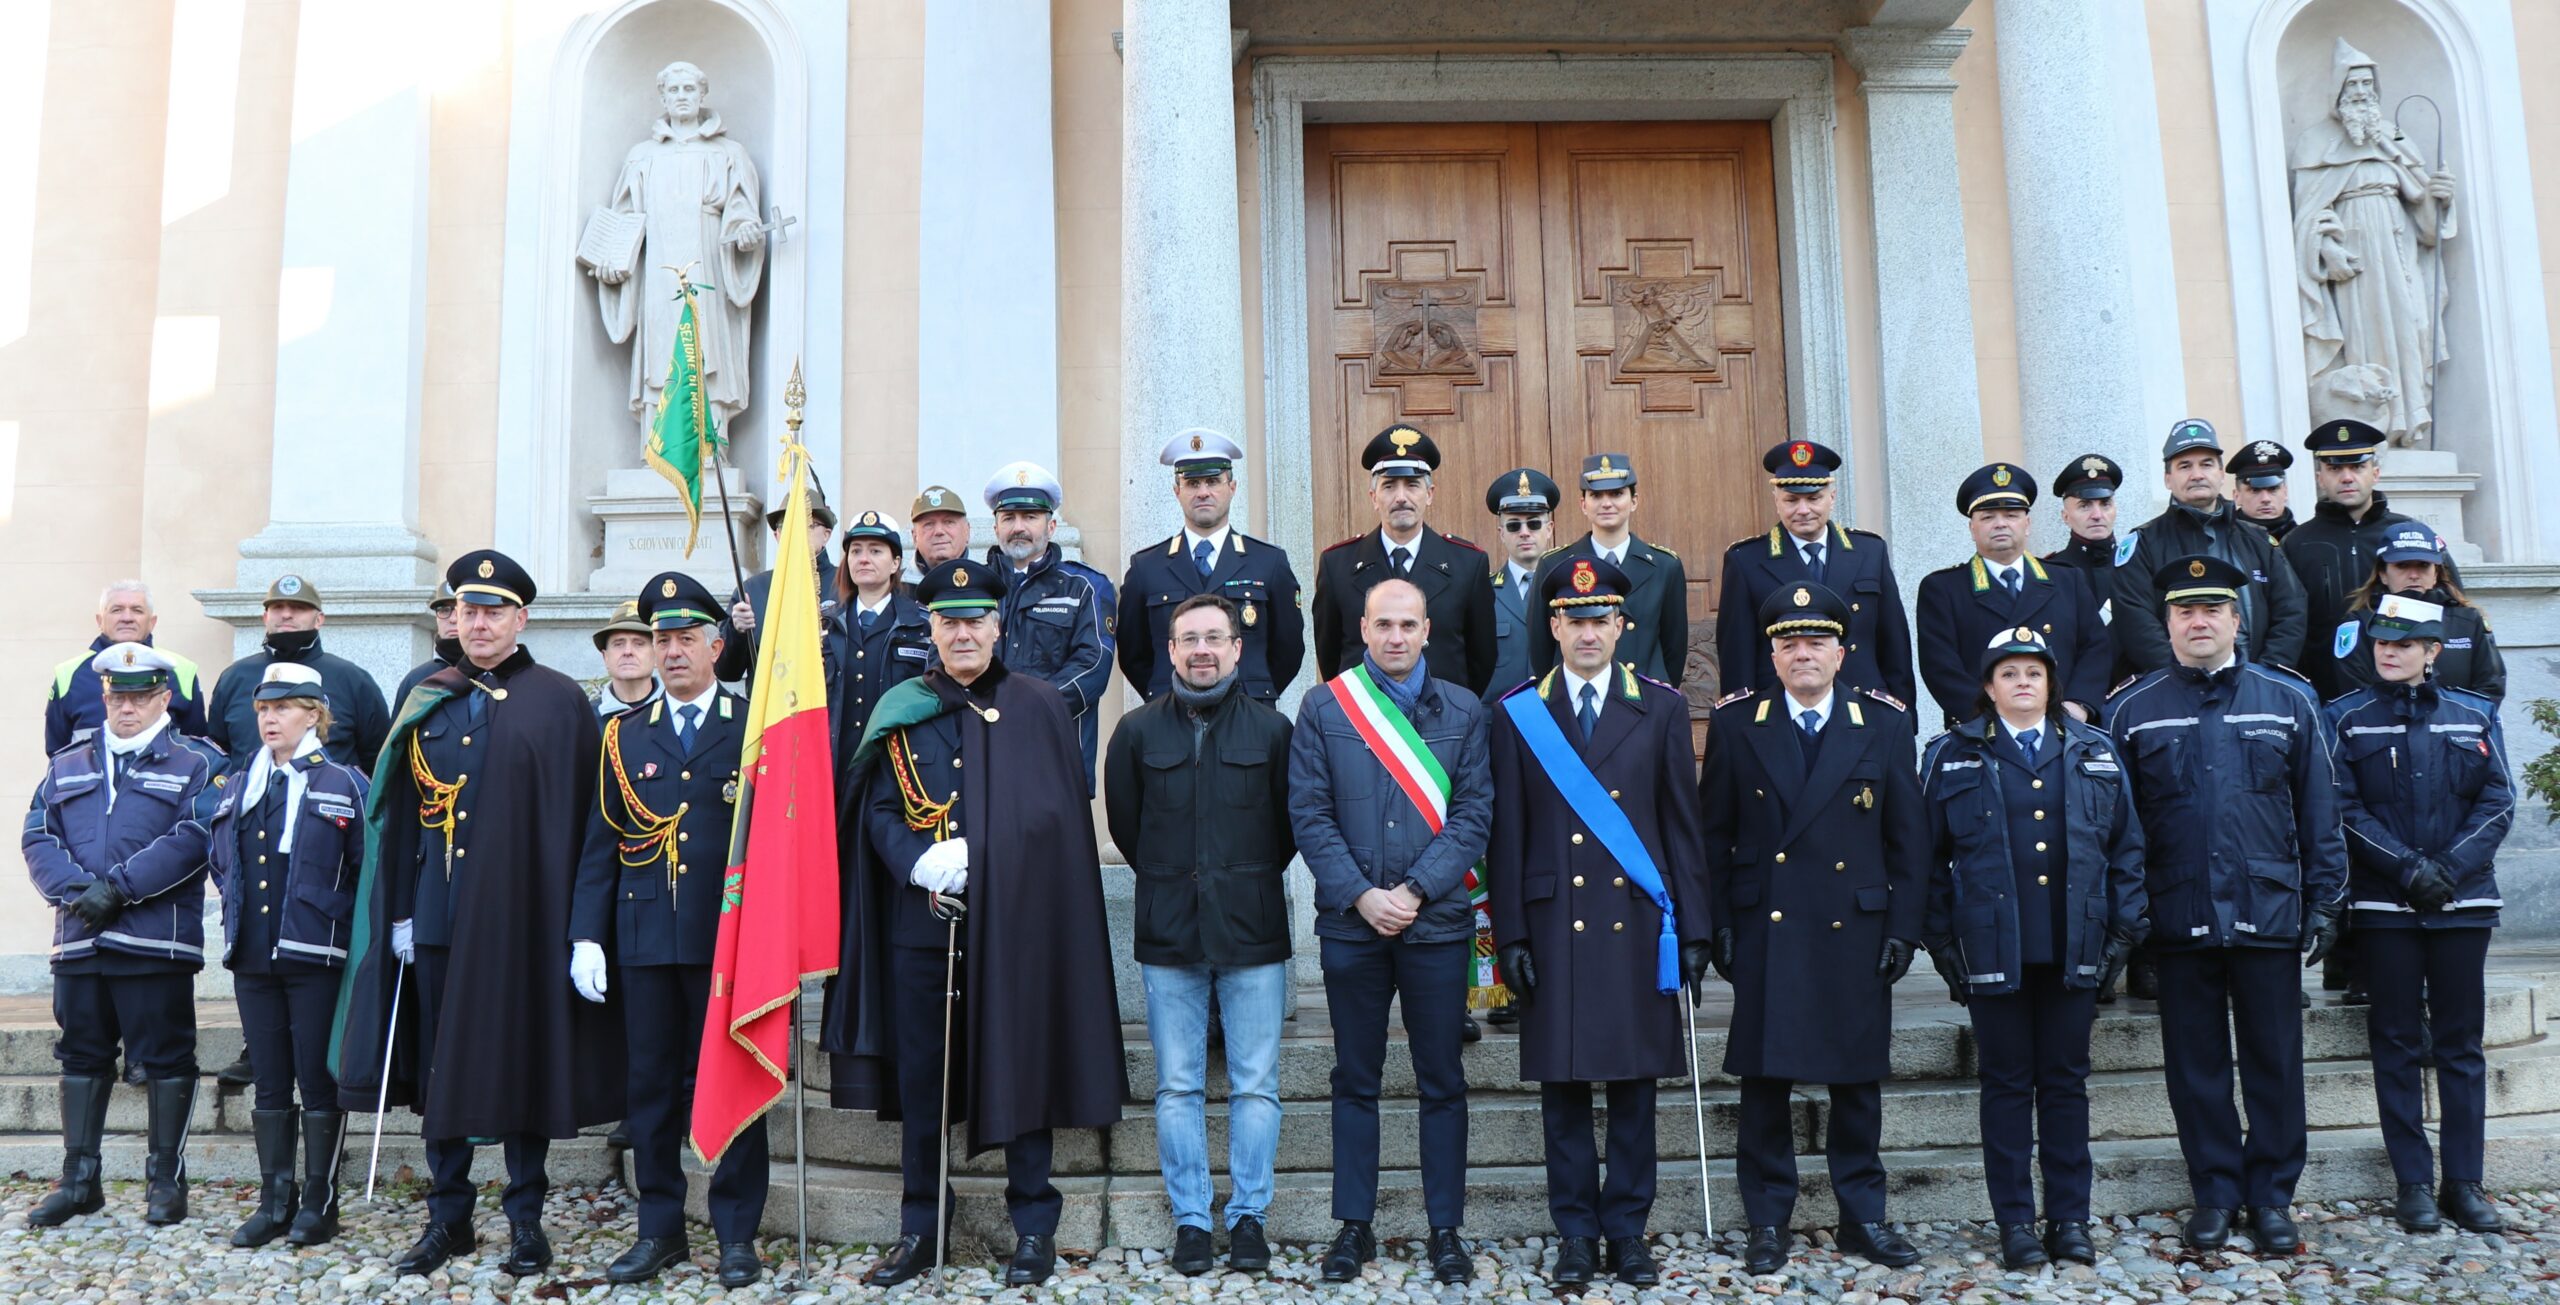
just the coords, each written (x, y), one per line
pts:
(884, 140)
(466, 220)
(1983, 178)
(2191, 159)
(1085, 136)
(2538, 28)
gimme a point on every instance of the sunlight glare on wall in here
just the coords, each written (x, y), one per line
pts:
(24, 27)
(186, 353)
(204, 103)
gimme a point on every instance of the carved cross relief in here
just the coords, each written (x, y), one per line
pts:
(1425, 338)
(1664, 324)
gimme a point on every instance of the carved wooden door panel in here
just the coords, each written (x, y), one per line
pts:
(1424, 307)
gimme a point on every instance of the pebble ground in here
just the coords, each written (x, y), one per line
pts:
(2354, 1254)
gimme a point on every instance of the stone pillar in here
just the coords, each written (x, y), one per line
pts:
(1182, 279)
(2075, 190)
(987, 253)
(1932, 406)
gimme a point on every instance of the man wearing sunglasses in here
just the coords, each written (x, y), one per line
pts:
(1523, 500)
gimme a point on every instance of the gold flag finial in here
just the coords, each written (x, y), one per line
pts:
(794, 395)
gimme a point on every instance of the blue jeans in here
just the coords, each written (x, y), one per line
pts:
(1251, 1001)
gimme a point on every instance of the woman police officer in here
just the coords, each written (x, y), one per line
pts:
(2035, 894)
(286, 846)
(2424, 792)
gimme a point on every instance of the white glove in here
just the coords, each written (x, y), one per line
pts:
(586, 969)
(943, 868)
(402, 942)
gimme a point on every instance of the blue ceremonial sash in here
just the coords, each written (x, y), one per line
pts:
(1583, 792)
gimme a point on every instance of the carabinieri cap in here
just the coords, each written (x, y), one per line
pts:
(1400, 452)
(488, 578)
(673, 600)
(1200, 452)
(1604, 471)
(2260, 464)
(2000, 485)
(1801, 466)
(2091, 475)
(1804, 608)
(132, 667)
(962, 587)
(2198, 579)
(1592, 586)
(2345, 443)
(1524, 490)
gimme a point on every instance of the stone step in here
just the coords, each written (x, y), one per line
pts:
(232, 1157)
(860, 1206)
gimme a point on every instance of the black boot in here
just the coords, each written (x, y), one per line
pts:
(274, 1132)
(237, 1073)
(164, 1193)
(84, 1119)
(323, 1137)
(2416, 1208)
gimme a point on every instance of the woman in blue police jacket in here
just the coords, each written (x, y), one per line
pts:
(287, 843)
(2035, 894)
(2424, 791)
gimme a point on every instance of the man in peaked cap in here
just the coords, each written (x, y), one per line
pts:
(1807, 546)
(630, 662)
(2087, 489)
(2258, 485)
(1523, 502)
(940, 518)
(1210, 556)
(474, 838)
(358, 717)
(649, 893)
(1054, 613)
(2333, 553)
(1401, 461)
(448, 645)
(2003, 587)
(1656, 607)
(1805, 774)
(2199, 520)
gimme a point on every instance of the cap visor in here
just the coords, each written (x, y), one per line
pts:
(2090, 491)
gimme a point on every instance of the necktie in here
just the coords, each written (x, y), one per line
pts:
(1203, 556)
(123, 770)
(1401, 558)
(866, 617)
(1811, 723)
(685, 717)
(1520, 585)
(1590, 713)
(2010, 579)
(1813, 561)
(2027, 742)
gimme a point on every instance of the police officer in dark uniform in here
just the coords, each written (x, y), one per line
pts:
(2234, 782)
(2200, 521)
(2087, 489)
(649, 892)
(1523, 502)
(876, 638)
(2000, 588)
(115, 841)
(1400, 461)
(287, 843)
(1656, 610)
(2035, 893)
(293, 618)
(2335, 552)
(1806, 776)
(1210, 556)
(2258, 485)
(2424, 789)
(2414, 563)
(1052, 614)
(1596, 934)
(1806, 547)
(448, 645)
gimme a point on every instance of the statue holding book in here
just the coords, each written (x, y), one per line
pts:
(687, 203)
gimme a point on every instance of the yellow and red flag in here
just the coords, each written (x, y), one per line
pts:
(778, 903)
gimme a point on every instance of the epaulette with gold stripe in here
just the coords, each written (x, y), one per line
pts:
(1630, 690)
(1733, 697)
(1885, 698)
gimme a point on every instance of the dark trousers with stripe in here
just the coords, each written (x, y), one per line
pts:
(2428, 984)
(1583, 1204)
(2032, 1049)
(662, 1010)
(2203, 995)
(450, 1195)
(1764, 1161)
(917, 975)
(152, 1016)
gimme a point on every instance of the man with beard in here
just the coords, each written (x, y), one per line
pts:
(2001, 588)
(2087, 489)
(2334, 552)
(1052, 614)
(2258, 486)
(1523, 501)
(448, 645)
(1654, 614)
(1209, 556)
(974, 897)
(125, 615)
(746, 607)
(460, 949)
(1807, 547)
(1401, 461)
(293, 617)
(2199, 520)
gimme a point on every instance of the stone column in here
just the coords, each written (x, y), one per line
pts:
(1182, 279)
(1932, 406)
(987, 252)
(2076, 193)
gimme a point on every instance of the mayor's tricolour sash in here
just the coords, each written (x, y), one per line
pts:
(1583, 792)
(1408, 761)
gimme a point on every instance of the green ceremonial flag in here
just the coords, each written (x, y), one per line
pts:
(683, 437)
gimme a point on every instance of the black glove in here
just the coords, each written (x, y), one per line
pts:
(1519, 973)
(2429, 886)
(1724, 954)
(1894, 961)
(2327, 922)
(1696, 958)
(1950, 968)
(99, 904)
(2119, 953)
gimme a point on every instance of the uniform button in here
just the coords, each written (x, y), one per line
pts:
(1391, 824)
(1835, 924)
(683, 837)
(1853, 647)
(1620, 926)
(1782, 858)
(682, 868)
(263, 910)
(1631, 625)
(2039, 846)
(955, 763)
(1619, 882)
(1613, 792)
(630, 896)
(1758, 794)
(1577, 881)
(262, 883)
(1838, 866)
(684, 774)
(462, 815)
(262, 834)
(2039, 814)
(466, 740)
(1577, 839)
(1577, 926)
(1853, 607)
(682, 807)
(462, 851)
(2035, 783)
(262, 859)
(858, 675)
(461, 779)
(2039, 881)
(1775, 916)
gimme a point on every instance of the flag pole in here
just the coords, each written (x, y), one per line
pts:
(800, 1115)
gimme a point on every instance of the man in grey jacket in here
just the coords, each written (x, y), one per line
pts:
(1391, 799)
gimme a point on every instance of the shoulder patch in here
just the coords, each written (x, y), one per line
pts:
(2124, 684)
(2349, 631)
(1663, 549)
(1347, 543)
(1885, 698)
(1462, 543)
(1555, 550)
(1733, 697)
(1761, 717)
(2125, 546)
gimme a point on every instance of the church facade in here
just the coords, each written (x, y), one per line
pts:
(344, 288)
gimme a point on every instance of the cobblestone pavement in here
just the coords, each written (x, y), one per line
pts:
(2355, 1254)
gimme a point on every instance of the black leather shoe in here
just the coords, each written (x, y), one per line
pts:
(2070, 1241)
(1577, 1262)
(2209, 1228)
(2470, 1210)
(2416, 1208)
(1035, 1258)
(1877, 1243)
(1502, 1017)
(1195, 1252)
(439, 1243)
(2142, 978)
(739, 1266)
(2019, 1248)
(528, 1250)
(1633, 1260)
(647, 1258)
(1470, 1031)
(1448, 1255)
(908, 1256)
(1766, 1252)
(2271, 1228)
(620, 1138)
(1248, 1251)
(237, 1073)
(1352, 1247)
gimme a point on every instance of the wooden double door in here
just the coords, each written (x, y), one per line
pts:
(1530, 293)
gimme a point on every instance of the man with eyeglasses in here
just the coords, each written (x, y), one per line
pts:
(1524, 500)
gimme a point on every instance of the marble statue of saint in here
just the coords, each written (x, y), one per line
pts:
(690, 195)
(2369, 222)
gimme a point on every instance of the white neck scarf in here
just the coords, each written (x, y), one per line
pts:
(265, 768)
(117, 747)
